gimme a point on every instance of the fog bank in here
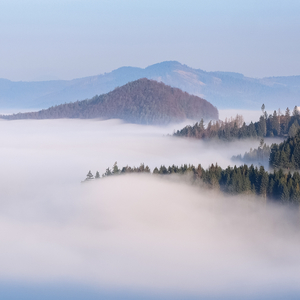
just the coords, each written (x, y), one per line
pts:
(133, 235)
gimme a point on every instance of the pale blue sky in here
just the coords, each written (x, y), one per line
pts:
(66, 39)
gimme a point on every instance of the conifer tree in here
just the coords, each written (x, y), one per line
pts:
(108, 172)
(294, 129)
(115, 169)
(155, 171)
(295, 111)
(262, 127)
(89, 176)
(275, 124)
(263, 180)
(285, 194)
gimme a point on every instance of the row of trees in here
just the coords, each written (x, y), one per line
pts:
(116, 171)
(273, 125)
(277, 186)
(260, 155)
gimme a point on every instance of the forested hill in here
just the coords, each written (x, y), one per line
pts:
(142, 101)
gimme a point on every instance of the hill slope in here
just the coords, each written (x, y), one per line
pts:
(222, 89)
(142, 101)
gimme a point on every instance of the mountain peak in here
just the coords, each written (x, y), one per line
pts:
(165, 65)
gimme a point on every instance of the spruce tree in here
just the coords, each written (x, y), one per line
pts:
(287, 119)
(296, 154)
(285, 196)
(295, 111)
(263, 182)
(275, 124)
(115, 169)
(89, 176)
(107, 172)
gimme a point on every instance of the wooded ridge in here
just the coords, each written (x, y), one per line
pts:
(278, 186)
(142, 101)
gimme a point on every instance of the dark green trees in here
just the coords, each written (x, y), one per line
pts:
(274, 125)
(287, 154)
(277, 187)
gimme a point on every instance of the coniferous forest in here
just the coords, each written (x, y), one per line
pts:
(272, 125)
(278, 187)
(287, 154)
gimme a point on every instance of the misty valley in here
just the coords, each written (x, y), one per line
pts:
(282, 185)
(172, 208)
(150, 150)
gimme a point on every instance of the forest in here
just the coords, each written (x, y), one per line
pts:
(142, 101)
(272, 125)
(277, 187)
(287, 154)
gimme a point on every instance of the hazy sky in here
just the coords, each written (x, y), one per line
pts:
(47, 39)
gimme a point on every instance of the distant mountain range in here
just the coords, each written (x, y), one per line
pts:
(222, 89)
(142, 101)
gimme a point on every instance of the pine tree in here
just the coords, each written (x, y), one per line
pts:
(89, 176)
(285, 196)
(201, 125)
(293, 129)
(275, 124)
(107, 172)
(251, 130)
(262, 127)
(115, 169)
(155, 171)
(295, 111)
(263, 182)
(296, 154)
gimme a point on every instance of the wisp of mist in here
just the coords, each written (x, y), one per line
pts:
(133, 236)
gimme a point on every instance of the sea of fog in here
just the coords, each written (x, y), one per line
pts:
(132, 237)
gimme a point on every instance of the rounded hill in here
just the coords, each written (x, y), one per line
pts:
(142, 101)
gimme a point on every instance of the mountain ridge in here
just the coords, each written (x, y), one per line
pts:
(222, 89)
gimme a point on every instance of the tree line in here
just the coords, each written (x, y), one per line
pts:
(277, 186)
(272, 125)
(260, 155)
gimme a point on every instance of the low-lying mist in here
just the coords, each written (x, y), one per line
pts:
(133, 234)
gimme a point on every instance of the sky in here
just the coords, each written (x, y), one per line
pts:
(66, 39)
